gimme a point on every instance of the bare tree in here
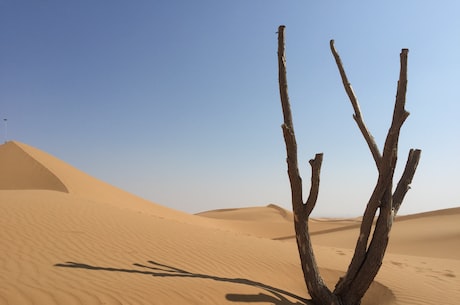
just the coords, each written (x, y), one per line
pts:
(369, 251)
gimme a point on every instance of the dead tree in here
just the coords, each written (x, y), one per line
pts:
(369, 251)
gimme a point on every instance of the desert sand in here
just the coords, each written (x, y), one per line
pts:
(68, 238)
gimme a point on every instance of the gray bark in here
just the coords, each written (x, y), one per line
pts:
(368, 255)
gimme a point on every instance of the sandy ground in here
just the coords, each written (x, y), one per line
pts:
(68, 238)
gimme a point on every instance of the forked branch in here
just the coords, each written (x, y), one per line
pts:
(369, 253)
(291, 144)
(316, 287)
(368, 256)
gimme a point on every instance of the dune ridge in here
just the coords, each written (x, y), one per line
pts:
(97, 244)
(16, 163)
(411, 235)
(76, 183)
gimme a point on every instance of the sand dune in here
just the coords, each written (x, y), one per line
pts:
(417, 235)
(16, 163)
(68, 238)
(271, 221)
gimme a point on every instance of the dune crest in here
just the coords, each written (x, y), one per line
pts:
(270, 212)
(21, 171)
(26, 168)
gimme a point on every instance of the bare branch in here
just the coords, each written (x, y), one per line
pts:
(402, 87)
(390, 149)
(354, 102)
(406, 179)
(316, 287)
(288, 129)
(314, 188)
(291, 145)
(369, 252)
(293, 171)
(283, 86)
(367, 259)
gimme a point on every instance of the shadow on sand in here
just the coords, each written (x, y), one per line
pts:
(275, 295)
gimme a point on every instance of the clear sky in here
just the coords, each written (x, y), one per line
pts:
(178, 102)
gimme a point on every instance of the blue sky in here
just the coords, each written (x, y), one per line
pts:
(177, 101)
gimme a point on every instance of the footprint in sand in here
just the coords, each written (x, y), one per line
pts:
(449, 273)
(399, 264)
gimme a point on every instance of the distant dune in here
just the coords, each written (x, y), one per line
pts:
(68, 238)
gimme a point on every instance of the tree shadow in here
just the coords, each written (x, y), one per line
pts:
(276, 296)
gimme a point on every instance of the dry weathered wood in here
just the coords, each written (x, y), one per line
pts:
(406, 179)
(369, 252)
(314, 188)
(368, 257)
(315, 284)
(282, 80)
(354, 102)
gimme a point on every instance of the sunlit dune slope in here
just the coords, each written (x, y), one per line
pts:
(417, 234)
(271, 221)
(424, 234)
(68, 238)
(271, 212)
(23, 167)
(422, 263)
(96, 244)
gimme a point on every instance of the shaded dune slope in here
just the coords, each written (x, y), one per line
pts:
(20, 171)
(96, 244)
(23, 167)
